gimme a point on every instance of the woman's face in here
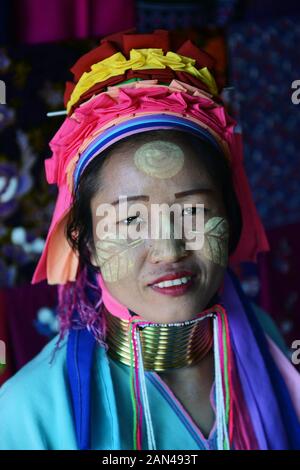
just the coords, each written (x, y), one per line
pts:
(144, 258)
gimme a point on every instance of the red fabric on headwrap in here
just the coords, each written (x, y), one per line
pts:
(128, 40)
(106, 49)
(202, 58)
(158, 40)
(253, 237)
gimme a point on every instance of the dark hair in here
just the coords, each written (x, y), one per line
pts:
(79, 230)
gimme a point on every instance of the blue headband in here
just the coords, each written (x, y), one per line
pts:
(136, 126)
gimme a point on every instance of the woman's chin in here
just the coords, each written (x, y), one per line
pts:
(171, 312)
(173, 303)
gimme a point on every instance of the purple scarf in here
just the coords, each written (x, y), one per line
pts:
(268, 401)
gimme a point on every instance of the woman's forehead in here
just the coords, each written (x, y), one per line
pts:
(147, 192)
(167, 162)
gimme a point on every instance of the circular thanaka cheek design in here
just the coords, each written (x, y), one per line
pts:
(114, 256)
(216, 236)
(159, 159)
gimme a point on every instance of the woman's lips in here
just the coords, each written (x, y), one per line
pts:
(174, 290)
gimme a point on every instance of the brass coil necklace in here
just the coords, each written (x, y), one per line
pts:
(164, 345)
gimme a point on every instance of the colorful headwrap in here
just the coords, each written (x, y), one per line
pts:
(153, 88)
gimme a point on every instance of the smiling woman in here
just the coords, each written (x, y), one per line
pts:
(134, 269)
(158, 346)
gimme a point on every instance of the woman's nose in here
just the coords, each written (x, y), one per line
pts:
(167, 245)
(166, 250)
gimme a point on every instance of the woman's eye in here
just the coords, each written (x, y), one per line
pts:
(194, 210)
(136, 219)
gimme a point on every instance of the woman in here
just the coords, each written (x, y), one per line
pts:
(159, 348)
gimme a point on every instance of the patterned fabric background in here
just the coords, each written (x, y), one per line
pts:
(264, 61)
(172, 15)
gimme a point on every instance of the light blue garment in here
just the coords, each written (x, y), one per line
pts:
(36, 408)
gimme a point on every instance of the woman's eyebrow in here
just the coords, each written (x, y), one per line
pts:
(130, 198)
(194, 191)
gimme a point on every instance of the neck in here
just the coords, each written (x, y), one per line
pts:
(164, 347)
(195, 370)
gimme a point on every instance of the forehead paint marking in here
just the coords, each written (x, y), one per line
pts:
(159, 159)
(113, 256)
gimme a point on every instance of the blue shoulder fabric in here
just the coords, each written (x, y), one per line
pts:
(289, 418)
(80, 353)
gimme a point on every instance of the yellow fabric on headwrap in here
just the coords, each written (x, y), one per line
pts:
(140, 59)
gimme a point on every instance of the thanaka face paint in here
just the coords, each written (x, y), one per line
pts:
(159, 159)
(115, 253)
(114, 256)
(216, 236)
